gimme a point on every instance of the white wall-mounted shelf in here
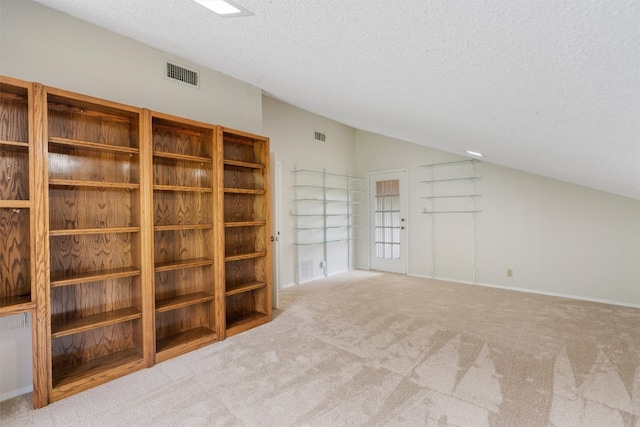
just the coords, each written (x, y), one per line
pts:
(452, 190)
(323, 213)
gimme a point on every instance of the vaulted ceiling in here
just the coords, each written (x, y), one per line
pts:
(546, 86)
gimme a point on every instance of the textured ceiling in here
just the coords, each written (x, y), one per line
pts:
(546, 86)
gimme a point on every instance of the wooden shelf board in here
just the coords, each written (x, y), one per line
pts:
(184, 157)
(63, 279)
(183, 301)
(245, 256)
(182, 188)
(244, 223)
(98, 184)
(95, 321)
(247, 321)
(92, 145)
(78, 231)
(16, 305)
(14, 144)
(182, 342)
(15, 204)
(244, 164)
(182, 227)
(243, 191)
(243, 287)
(177, 265)
(74, 379)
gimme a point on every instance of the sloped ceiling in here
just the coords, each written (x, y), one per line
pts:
(550, 87)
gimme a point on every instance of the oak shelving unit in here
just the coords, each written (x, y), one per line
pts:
(184, 213)
(97, 291)
(129, 236)
(17, 288)
(247, 260)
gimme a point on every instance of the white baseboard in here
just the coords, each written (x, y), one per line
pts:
(561, 295)
(288, 285)
(15, 393)
(532, 291)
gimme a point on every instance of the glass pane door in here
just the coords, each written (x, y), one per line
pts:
(388, 226)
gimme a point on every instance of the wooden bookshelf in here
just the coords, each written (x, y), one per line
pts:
(247, 261)
(184, 206)
(96, 290)
(129, 236)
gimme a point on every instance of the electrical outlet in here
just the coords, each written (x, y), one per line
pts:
(509, 272)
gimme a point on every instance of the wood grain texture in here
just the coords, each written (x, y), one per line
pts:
(170, 284)
(184, 238)
(15, 252)
(176, 321)
(247, 247)
(96, 121)
(178, 136)
(81, 254)
(244, 207)
(74, 350)
(242, 240)
(242, 177)
(77, 378)
(95, 218)
(14, 173)
(92, 165)
(72, 208)
(181, 245)
(102, 175)
(238, 273)
(73, 302)
(182, 208)
(144, 336)
(14, 111)
(182, 173)
(239, 305)
(40, 249)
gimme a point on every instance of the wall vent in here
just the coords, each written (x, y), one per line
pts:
(18, 321)
(320, 136)
(183, 75)
(306, 270)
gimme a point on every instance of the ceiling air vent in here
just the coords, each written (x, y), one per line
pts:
(183, 75)
(320, 136)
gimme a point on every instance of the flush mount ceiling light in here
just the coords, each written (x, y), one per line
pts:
(475, 153)
(224, 8)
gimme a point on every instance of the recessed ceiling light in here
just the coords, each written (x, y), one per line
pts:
(475, 153)
(224, 8)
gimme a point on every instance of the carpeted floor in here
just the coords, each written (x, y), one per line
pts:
(366, 348)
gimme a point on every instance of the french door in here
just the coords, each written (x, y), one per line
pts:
(388, 196)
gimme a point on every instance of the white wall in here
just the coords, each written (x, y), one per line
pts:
(291, 132)
(558, 238)
(15, 356)
(43, 45)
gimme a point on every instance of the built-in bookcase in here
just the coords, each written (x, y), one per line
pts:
(130, 236)
(95, 241)
(247, 269)
(185, 245)
(17, 292)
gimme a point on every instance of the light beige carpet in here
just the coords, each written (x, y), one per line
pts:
(366, 348)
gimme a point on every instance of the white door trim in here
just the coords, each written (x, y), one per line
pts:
(404, 211)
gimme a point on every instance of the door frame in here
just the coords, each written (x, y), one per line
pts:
(404, 207)
(275, 169)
